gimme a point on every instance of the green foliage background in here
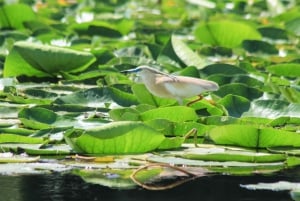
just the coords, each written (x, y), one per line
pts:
(60, 64)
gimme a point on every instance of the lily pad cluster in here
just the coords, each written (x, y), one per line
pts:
(63, 93)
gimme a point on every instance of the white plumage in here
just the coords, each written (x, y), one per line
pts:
(172, 86)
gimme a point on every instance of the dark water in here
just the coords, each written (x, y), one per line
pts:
(66, 187)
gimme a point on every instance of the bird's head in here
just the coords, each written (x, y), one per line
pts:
(144, 69)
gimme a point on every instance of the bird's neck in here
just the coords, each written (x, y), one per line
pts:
(148, 78)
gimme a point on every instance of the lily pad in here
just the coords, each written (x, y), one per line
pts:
(115, 138)
(97, 97)
(10, 158)
(235, 105)
(216, 33)
(186, 54)
(240, 90)
(175, 113)
(12, 138)
(43, 60)
(42, 118)
(14, 15)
(145, 97)
(273, 109)
(116, 179)
(253, 136)
(286, 69)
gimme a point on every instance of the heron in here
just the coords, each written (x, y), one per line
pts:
(172, 86)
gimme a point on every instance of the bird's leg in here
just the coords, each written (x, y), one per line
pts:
(199, 99)
(194, 101)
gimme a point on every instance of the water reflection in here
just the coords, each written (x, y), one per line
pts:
(66, 187)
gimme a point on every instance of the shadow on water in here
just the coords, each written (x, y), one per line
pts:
(67, 187)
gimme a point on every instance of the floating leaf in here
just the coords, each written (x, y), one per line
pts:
(36, 149)
(293, 26)
(273, 33)
(176, 114)
(235, 105)
(186, 55)
(273, 109)
(145, 97)
(115, 138)
(124, 114)
(258, 46)
(14, 15)
(103, 28)
(115, 179)
(169, 128)
(12, 138)
(97, 97)
(227, 166)
(225, 69)
(32, 168)
(252, 136)
(222, 79)
(10, 158)
(122, 98)
(43, 60)
(18, 131)
(94, 97)
(37, 118)
(231, 155)
(239, 90)
(217, 33)
(171, 143)
(41, 118)
(285, 69)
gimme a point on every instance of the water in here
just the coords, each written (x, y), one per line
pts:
(67, 187)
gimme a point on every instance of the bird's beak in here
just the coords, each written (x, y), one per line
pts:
(134, 70)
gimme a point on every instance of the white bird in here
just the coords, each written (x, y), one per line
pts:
(172, 86)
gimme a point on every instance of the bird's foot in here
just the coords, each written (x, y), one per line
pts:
(194, 101)
(199, 99)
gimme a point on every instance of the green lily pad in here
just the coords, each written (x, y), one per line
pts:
(37, 149)
(285, 69)
(293, 26)
(37, 118)
(31, 168)
(124, 114)
(231, 164)
(235, 105)
(10, 158)
(253, 136)
(187, 55)
(240, 90)
(216, 33)
(273, 109)
(14, 15)
(115, 179)
(257, 46)
(145, 97)
(97, 97)
(115, 138)
(42, 118)
(175, 113)
(13, 138)
(273, 33)
(241, 156)
(222, 79)
(225, 69)
(43, 60)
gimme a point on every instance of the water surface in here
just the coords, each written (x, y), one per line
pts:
(68, 187)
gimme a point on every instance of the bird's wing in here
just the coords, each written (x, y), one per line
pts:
(190, 81)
